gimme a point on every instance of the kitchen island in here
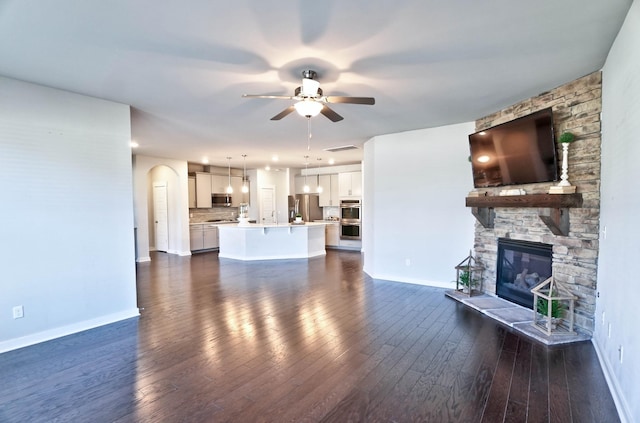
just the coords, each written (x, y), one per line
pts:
(271, 242)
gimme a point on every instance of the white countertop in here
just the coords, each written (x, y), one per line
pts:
(275, 226)
(222, 222)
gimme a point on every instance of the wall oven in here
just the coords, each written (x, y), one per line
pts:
(350, 219)
(350, 210)
(350, 230)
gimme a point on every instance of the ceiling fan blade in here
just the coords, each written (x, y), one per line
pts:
(333, 116)
(283, 113)
(352, 100)
(279, 97)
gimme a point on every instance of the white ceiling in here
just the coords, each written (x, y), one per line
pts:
(183, 65)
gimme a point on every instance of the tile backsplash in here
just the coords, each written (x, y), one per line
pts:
(215, 213)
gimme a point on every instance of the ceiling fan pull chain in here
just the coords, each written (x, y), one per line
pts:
(308, 133)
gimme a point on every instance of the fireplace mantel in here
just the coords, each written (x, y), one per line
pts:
(555, 217)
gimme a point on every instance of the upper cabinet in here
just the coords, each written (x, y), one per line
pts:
(203, 190)
(350, 184)
(237, 196)
(219, 184)
(205, 181)
(311, 181)
(192, 192)
(329, 197)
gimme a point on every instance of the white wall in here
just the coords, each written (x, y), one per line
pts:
(415, 184)
(620, 207)
(279, 180)
(66, 219)
(145, 169)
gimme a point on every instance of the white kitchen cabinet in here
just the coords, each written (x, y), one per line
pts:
(329, 197)
(350, 184)
(210, 236)
(219, 184)
(351, 244)
(332, 234)
(192, 192)
(236, 197)
(311, 180)
(196, 240)
(203, 236)
(203, 190)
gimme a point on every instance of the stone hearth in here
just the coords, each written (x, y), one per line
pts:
(514, 316)
(576, 108)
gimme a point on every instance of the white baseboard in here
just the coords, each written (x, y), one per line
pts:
(143, 259)
(185, 253)
(47, 335)
(616, 392)
(396, 278)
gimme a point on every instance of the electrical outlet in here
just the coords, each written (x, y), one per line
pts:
(18, 312)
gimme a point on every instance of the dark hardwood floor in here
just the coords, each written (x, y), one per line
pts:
(302, 340)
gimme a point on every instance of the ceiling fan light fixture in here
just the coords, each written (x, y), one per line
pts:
(310, 87)
(308, 108)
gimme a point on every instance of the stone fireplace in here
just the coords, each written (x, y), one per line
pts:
(521, 266)
(574, 249)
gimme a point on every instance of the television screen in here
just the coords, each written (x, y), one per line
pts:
(522, 151)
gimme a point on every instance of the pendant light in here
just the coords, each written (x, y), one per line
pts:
(229, 187)
(319, 189)
(245, 187)
(305, 189)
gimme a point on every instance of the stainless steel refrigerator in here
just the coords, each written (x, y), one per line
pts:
(306, 205)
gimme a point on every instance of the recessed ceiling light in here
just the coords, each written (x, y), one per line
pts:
(331, 161)
(275, 158)
(134, 144)
(267, 167)
(205, 160)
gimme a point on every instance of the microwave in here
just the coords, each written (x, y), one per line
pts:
(220, 200)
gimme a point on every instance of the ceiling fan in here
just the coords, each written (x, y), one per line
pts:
(310, 101)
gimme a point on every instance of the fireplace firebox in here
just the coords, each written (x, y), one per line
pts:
(521, 266)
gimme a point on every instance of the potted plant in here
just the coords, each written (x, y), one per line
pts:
(566, 138)
(467, 272)
(298, 217)
(564, 186)
(464, 279)
(557, 310)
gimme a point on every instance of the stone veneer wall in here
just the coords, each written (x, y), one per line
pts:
(576, 108)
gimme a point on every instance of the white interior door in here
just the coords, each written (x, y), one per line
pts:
(160, 216)
(268, 205)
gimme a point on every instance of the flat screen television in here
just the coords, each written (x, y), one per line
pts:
(522, 151)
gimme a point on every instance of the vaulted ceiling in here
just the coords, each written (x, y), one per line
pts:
(184, 65)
